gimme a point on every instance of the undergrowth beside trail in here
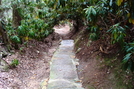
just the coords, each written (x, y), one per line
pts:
(99, 65)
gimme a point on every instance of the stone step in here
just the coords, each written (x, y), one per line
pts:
(63, 74)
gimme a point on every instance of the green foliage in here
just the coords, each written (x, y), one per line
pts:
(95, 11)
(34, 28)
(69, 9)
(14, 63)
(118, 34)
(15, 39)
(94, 35)
(114, 15)
(12, 33)
(91, 13)
(37, 21)
(128, 60)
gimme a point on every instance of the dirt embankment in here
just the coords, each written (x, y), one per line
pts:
(33, 69)
(91, 70)
(34, 57)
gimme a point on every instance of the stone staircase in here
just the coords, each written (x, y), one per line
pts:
(63, 72)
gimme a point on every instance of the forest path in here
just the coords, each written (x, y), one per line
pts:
(63, 74)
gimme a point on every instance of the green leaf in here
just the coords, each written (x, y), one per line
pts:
(115, 36)
(127, 57)
(31, 34)
(129, 49)
(21, 31)
(14, 63)
(88, 11)
(119, 2)
(46, 33)
(94, 12)
(132, 44)
(93, 36)
(111, 2)
(15, 39)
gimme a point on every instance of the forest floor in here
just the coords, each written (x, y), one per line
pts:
(91, 70)
(34, 57)
(33, 70)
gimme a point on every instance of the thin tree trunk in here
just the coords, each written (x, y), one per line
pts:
(16, 17)
(0, 2)
(5, 38)
(16, 21)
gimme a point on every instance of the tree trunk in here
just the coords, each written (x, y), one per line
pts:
(5, 38)
(16, 22)
(0, 9)
(16, 16)
(76, 26)
(0, 2)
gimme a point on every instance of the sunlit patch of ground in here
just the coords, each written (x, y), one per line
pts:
(62, 29)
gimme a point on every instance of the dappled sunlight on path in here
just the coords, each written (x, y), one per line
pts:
(62, 29)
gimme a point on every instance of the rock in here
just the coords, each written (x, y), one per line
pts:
(0, 55)
(3, 52)
(3, 65)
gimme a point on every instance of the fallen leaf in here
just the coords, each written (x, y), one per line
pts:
(44, 84)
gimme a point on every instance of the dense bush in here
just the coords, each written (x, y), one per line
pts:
(117, 17)
(31, 20)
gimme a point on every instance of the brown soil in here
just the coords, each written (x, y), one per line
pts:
(33, 69)
(34, 57)
(90, 70)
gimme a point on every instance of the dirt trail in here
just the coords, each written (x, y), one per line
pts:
(62, 29)
(33, 70)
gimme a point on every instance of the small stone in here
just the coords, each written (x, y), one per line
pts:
(38, 51)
